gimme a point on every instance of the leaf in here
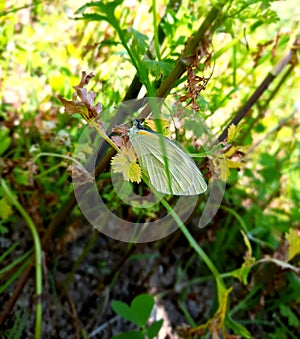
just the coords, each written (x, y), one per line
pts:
(243, 272)
(293, 238)
(267, 160)
(86, 107)
(3, 229)
(247, 243)
(5, 140)
(142, 306)
(233, 132)
(125, 163)
(21, 175)
(138, 41)
(101, 6)
(130, 335)
(72, 107)
(238, 328)
(93, 17)
(222, 166)
(288, 313)
(159, 68)
(217, 322)
(124, 311)
(233, 150)
(154, 328)
(222, 172)
(5, 209)
(233, 164)
(107, 8)
(139, 311)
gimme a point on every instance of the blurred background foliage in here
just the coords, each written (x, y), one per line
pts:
(44, 47)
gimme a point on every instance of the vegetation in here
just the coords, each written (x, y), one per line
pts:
(67, 71)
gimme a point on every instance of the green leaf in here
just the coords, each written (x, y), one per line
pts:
(288, 313)
(130, 335)
(3, 229)
(157, 68)
(94, 17)
(237, 328)
(107, 8)
(142, 306)
(21, 176)
(243, 272)
(139, 311)
(293, 238)
(270, 174)
(154, 328)
(267, 160)
(124, 311)
(139, 40)
(5, 140)
(5, 209)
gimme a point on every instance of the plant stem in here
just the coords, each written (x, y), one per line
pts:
(94, 125)
(263, 87)
(38, 257)
(156, 41)
(192, 241)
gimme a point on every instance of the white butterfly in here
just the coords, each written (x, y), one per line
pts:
(184, 176)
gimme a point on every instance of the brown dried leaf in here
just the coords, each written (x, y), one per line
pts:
(196, 84)
(85, 106)
(85, 79)
(72, 107)
(121, 142)
(80, 174)
(122, 129)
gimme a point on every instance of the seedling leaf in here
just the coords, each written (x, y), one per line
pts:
(142, 306)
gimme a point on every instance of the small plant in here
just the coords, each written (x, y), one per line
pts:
(138, 313)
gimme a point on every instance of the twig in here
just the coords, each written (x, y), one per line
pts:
(248, 129)
(281, 123)
(262, 87)
(103, 326)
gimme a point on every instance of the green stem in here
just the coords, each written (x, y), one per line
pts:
(38, 257)
(57, 156)
(134, 57)
(156, 41)
(93, 124)
(237, 216)
(244, 227)
(192, 241)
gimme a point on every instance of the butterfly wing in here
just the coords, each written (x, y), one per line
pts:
(185, 177)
